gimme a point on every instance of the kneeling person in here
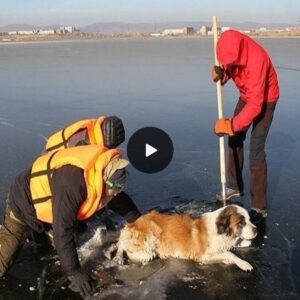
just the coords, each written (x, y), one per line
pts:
(61, 188)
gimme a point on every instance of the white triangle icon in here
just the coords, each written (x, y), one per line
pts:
(150, 150)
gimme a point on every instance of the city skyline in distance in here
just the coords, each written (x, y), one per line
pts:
(82, 13)
(122, 27)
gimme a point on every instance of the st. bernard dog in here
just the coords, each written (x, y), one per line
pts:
(206, 239)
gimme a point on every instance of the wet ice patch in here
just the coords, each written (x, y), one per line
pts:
(190, 277)
(194, 208)
(4, 123)
(151, 281)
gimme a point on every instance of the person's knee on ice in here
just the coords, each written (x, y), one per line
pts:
(13, 234)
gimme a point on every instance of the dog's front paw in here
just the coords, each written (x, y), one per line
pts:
(245, 266)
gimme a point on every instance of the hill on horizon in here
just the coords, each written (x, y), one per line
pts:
(123, 27)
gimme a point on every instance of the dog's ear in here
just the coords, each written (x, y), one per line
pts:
(223, 221)
(223, 225)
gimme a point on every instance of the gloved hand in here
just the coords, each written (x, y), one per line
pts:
(224, 126)
(217, 73)
(82, 283)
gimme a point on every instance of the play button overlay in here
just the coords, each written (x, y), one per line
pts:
(150, 150)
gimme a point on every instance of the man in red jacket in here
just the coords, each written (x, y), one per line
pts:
(249, 66)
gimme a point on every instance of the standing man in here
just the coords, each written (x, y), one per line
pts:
(61, 188)
(249, 66)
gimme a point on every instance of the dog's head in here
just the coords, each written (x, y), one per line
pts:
(234, 221)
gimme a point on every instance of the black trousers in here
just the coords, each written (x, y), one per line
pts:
(13, 234)
(258, 165)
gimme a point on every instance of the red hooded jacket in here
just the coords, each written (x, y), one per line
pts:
(251, 69)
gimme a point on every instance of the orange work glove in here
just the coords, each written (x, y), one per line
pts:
(217, 73)
(223, 126)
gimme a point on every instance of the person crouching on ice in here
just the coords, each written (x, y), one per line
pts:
(61, 188)
(107, 131)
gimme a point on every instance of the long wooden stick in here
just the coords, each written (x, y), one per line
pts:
(220, 115)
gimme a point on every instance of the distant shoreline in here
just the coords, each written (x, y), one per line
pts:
(8, 39)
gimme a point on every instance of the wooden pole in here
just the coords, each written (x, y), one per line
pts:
(220, 115)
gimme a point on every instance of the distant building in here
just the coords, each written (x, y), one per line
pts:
(172, 32)
(188, 30)
(290, 28)
(50, 31)
(225, 28)
(245, 31)
(27, 32)
(177, 31)
(47, 32)
(156, 34)
(67, 29)
(70, 29)
(32, 32)
(204, 30)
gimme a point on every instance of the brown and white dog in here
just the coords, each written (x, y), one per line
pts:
(206, 239)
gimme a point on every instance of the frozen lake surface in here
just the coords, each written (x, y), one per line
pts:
(166, 84)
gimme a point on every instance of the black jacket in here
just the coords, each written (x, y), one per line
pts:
(69, 191)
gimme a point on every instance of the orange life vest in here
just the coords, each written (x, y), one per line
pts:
(59, 140)
(92, 159)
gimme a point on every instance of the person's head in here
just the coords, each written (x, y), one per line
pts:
(113, 132)
(232, 48)
(115, 176)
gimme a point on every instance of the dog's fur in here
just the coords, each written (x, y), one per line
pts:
(206, 239)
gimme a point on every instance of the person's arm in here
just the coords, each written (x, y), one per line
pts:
(123, 205)
(69, 190)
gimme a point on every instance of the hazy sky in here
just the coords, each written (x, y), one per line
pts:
(84, 12)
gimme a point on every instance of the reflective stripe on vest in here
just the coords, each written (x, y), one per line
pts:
(91, 159)
(59, 140)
